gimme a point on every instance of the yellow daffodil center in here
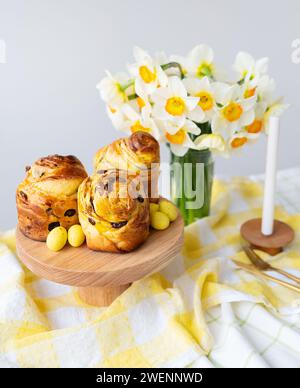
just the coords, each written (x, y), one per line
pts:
(140, 102)
(206, 101)
(175, 106)
(205, 69)
(233, 111)
(137, 126)
(147, 75)
(112, 109)
(178, 138)
(255, 127)
(238, 142)
(249, 93)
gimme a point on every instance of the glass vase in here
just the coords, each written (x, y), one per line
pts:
(191, 179)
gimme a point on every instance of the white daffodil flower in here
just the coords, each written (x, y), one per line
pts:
(138, 102)
(250, 88)
(134, 122)
(180, 141)
(173, 106)
(116, 116)
(239, 140)
(276, 108)
(129, 113)
(234, 111)
(257, 125)
(147, 72)
(266, 89)
(202, 88)
(249, 69)
(170, 96)
(112, 90)
(212, 141)
(257, 83)
(263, 112)
(199, 62)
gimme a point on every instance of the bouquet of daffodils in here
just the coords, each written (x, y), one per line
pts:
(188, 103)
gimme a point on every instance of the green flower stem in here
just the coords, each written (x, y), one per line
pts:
(192, 181)
(126, 86)
(172, 65)
(132, 97)
(205, 129)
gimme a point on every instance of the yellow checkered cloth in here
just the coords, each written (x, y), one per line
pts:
(201, 311)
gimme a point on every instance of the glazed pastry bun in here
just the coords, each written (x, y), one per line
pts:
(48, 195)
(113, 211)
(138, 154)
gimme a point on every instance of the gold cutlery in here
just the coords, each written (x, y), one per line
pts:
(249, 268)
(262, 265)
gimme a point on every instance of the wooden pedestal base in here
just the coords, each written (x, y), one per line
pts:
(283, 235)
(101, 296)
(101, 276)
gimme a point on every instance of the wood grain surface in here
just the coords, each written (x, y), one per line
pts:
(283, 235)
(82, 267)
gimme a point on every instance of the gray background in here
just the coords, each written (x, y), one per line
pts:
(57, 51)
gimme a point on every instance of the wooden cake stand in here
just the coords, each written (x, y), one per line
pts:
(100, 276)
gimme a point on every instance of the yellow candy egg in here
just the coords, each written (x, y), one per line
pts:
(169, 209)
(76, 236)
(159, 221)
(57, 238)
(154, 207)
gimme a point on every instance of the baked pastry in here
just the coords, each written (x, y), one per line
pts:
(138, 154)
(113, 211)
(113, 203)
(48, 195)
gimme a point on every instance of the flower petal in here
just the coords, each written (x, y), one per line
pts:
(162, 77)
(130, 113)
(192, 85)
(247, 117)
(261, 65)
(221, 91)
(191, 102)
(177, 87)
(211, 141)
(248, 103)
(161, 58)
(192, 128)
(197, 115)
(217, 123)
(170, 127)
(160, 95)
(178, 150)
(140, 88)
(200, 54)
(159, 112)
(234, 126)
(178, 121)
(244, 62)
(140, 55)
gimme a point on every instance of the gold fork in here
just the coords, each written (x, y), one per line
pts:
(259, 263)
(253, 270)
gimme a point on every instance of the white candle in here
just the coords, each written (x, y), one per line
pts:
(270, 178)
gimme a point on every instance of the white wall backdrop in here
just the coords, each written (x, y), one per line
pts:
(57, 50)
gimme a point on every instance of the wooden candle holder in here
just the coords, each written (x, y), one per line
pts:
(101, 276)
(282, 235)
